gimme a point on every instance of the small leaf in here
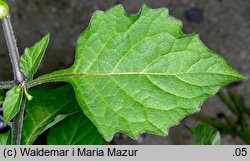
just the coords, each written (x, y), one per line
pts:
(75, 130)
(12, 103)
(47, 108)
(204, 135)
(5, 138)
(141, 73)
(32, 57)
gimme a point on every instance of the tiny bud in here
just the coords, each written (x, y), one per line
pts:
(4, 9)
(18, 89)
(29, 97)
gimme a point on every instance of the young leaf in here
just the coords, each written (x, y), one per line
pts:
(12, 103)
(47, 108)
(141, 73)
(32, 57)
(204, 135)
(75, 130)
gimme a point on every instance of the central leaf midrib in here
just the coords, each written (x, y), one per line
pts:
(59, 76)
(119, 73)
(126, 73)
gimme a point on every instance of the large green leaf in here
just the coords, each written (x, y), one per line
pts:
(12, 103)
(204, 135)
(75, 130)
(47, 108)
(32, 57)
(141, 73)
(5, 138)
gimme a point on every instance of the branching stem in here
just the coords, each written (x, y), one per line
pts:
(18, 76)
(7, 84)
(12, 47)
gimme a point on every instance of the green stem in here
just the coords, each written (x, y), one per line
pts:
(235, 99)
(216, 124)
(17, 125)
(227, 102)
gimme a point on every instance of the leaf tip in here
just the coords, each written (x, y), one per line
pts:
(47, 36)
(238, 76)
(242, 77)
(6, 118)
(145, 7)
(107, 137)
(5, 123)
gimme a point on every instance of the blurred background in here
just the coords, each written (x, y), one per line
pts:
(223, 25)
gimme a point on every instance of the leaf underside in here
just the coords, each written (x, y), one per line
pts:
(75, 130)
(141, 73)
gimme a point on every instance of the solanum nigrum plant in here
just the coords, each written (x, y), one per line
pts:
(132, 74)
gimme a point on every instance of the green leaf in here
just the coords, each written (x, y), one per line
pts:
(12, 103)
(5, 138)
(32, 57)
(75, 130)
(141, 73)
(204, 135)
(47, 108)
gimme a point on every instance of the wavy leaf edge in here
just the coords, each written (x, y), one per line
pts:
(64, 75)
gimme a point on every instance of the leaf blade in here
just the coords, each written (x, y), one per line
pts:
(75, 130)
(32, 57)
(47, 109)
(5, 138)
(141, 73)
(12, 103)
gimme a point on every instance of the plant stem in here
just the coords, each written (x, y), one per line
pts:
(7, 84)
(227, 102)
(222, 127)
(17, 125)
(19, 77)
(12, 47)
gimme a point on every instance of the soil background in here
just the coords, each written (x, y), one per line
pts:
(223, 25)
